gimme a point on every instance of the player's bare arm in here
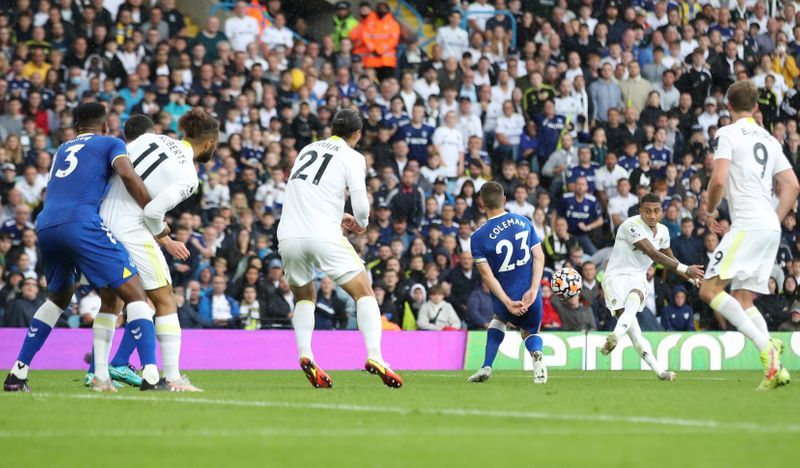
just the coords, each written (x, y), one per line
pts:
(787, 188)
(133, 183)
(716, 190)
(694, 281)
(691, 271)
(538, 270)
(515, 307)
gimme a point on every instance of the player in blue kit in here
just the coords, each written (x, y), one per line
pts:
(73, 238)
(510, 259)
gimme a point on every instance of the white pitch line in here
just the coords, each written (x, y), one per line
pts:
(710, 424)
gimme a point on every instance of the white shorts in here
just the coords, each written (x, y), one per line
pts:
(149, 260)
(746, 258)
(617, 288)
(338, 260)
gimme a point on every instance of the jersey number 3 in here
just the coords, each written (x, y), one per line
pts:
(312, 156)
(71, 160)
(508, 247)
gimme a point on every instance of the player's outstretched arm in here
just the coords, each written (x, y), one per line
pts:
(787, 188)
(133, 183)
(536, 279)
(691, 271)
(515, 307)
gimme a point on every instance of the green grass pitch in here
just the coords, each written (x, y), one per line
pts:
(274, 419)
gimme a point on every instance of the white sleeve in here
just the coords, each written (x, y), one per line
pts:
(166, 200)
(724, 148)
(360, 203)
(633, 232)
(781, 163)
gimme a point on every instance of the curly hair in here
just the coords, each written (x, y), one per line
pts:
(198, 124)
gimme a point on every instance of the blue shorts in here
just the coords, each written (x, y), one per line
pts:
(86, 247)
(530, 321)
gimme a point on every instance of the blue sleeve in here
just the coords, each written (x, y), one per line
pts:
(534, 239)
(116, 149)
(477, 249)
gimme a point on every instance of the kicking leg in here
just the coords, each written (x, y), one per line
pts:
(645, 351)
(494, 338)
(42, 323)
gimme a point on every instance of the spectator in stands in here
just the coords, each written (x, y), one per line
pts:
(793, 324)
(20, 310)
(678, 315)
(330, 312)
(480, 308)
(461, 281)
(240, 29)
(437, 314)
(582, 213)
(218, 309)
(558, 245)
(574, 315)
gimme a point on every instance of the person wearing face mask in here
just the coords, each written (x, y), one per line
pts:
(784, 63)
(376, 38)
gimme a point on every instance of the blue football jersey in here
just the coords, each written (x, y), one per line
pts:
(418, 140)
(78, 178)
(505, 243)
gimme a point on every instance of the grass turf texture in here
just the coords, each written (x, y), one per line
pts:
(598, 418)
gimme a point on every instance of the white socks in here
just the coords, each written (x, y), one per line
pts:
(632, 304)
(730, 308)
(368, 316)
(303, 323)
(758, 319)
(643, 348)
(168, 334)
(103, 333)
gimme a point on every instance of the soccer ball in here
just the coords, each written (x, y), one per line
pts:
(566, 283)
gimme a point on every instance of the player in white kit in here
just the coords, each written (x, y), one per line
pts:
(167, 168)
(749, 166)
(310, 235)
(640, 241)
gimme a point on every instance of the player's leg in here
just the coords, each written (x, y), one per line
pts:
(168, 334)
(633, 303)
(42, 323)
(745, 299)
(530, 325)
(494, 338)
(645, 351)
(140, 325)
(368, 318)
(60, 274)
(103, 329)
(712, 292)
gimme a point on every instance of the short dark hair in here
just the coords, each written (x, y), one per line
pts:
(137, 125)
(198, 124)
(649, 198)
(345, 123)
(89, 115)
(492, 195)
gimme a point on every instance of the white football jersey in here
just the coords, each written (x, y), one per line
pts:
(315, 193)
(755, 157)
(626, 259)
(166, 167)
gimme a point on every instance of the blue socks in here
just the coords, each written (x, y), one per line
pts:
(143, 334)
(35, 338)
(494, 337)
(533, 343)
(125, 350)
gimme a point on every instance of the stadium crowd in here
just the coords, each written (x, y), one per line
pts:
(576, 107)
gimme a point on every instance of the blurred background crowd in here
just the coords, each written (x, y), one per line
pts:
(577, 107)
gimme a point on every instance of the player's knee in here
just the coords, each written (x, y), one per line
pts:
(62, 299)
(708, 291)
